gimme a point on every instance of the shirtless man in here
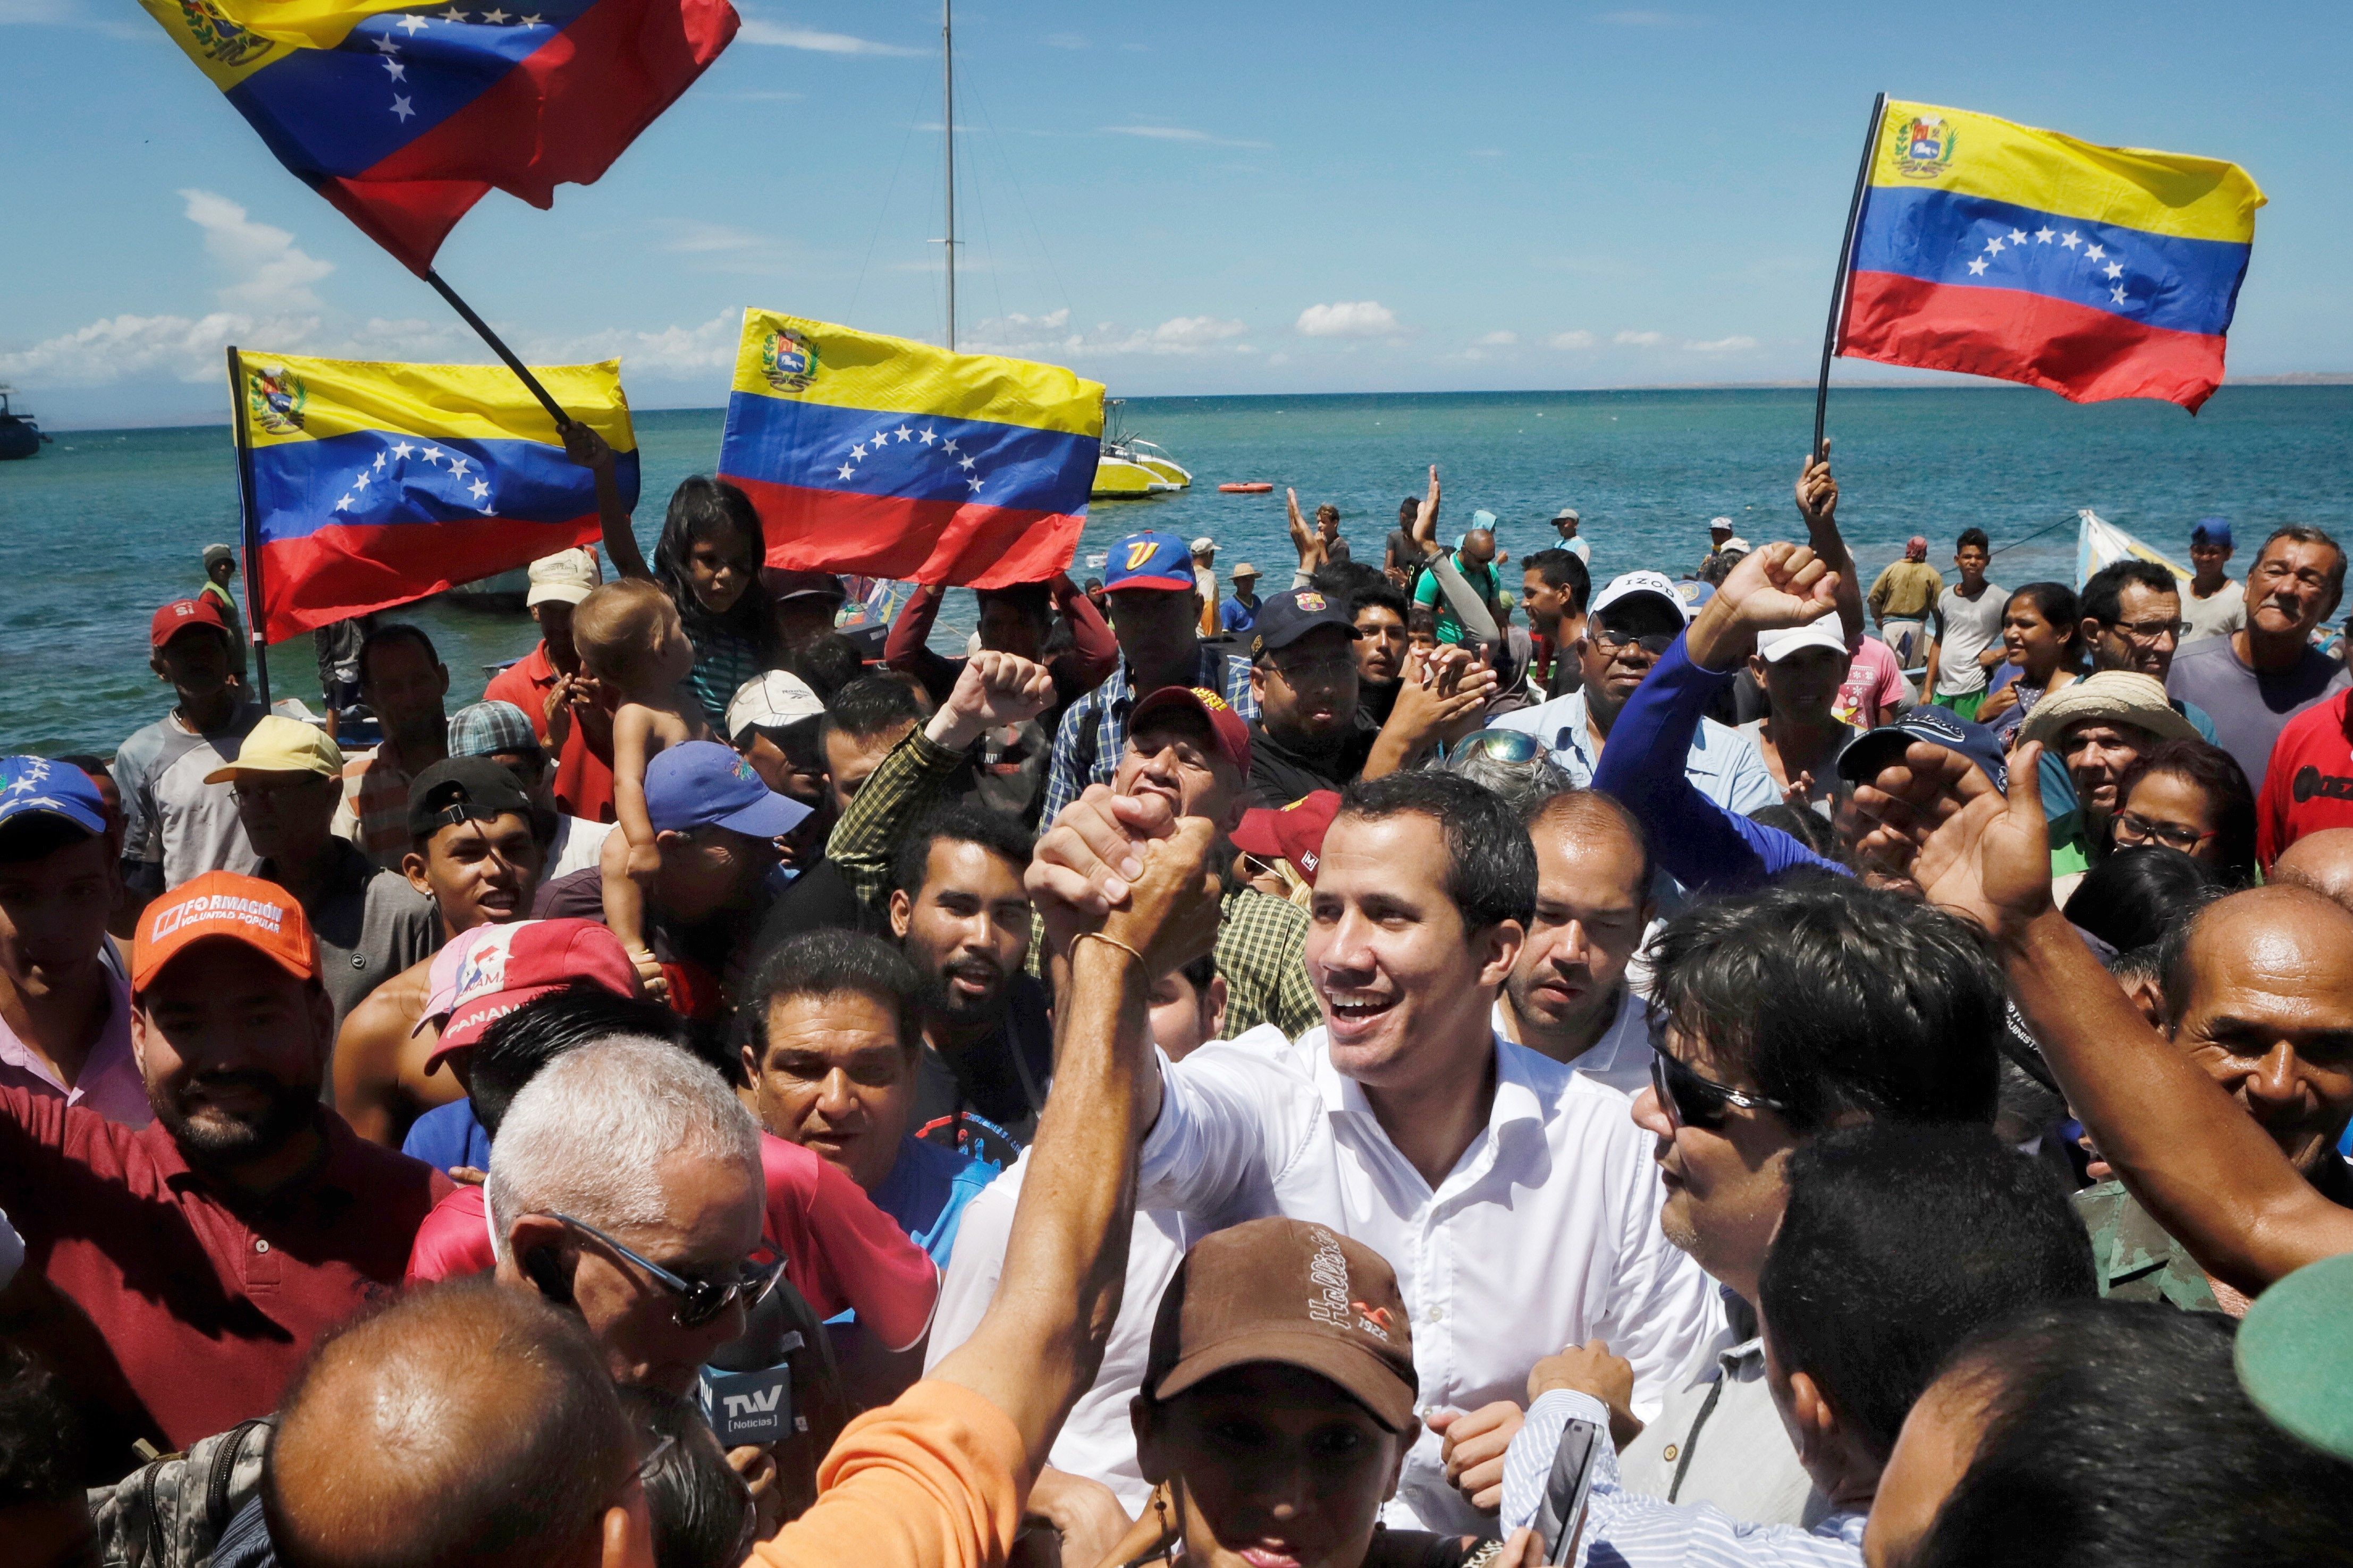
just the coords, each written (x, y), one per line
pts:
(475, 852)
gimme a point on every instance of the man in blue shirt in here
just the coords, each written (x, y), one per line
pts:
(836, 1032)
(1239, 614)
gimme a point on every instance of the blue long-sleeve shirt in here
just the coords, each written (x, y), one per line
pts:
(1697, 842)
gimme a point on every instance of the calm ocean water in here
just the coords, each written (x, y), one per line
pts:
(105, 525)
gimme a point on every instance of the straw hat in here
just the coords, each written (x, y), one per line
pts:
(2114, 696)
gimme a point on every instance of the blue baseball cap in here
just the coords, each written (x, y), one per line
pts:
(1883, 747)
(701, 784)
(2211, 531)
(1159, 561)
(30, 786)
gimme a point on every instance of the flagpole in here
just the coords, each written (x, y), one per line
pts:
(249, 531)
(499, 347)
(1845, 261)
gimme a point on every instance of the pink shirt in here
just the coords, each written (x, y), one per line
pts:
(110, 1083)
(1876, 679)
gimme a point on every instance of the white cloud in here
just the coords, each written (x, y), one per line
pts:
(121, 348)
(1196, 332)
(1357, 318)
(757, 30)
(1641, 340)
(1722, 345)
(1065, 41)
(1051, 335)
(1179, 133)
(669, 354)
(1496, 340)
(1579, 339)
(270, 271)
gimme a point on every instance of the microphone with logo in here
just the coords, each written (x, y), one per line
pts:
(748, 1385)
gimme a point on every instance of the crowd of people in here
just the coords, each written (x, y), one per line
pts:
(1239, 1078)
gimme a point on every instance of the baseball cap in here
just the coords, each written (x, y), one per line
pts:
(462, 789)
(486, 974)
(262, 915)
(2211, 531)
(1149, 561)
(1226, 726)
(1736, 545)
(35, 786)
(1484, 518)
(2117, 696)
(487, 728)
(1633, 585)
(180, 615)
(216, 554)
(2295, 1354)
(701, 784)
(783, 582)
(1292, 1292)
(1284, 618)
(281, 745)
(772, 699)
(1567, 514)
(1775, 647)
(1292, 833)
(1204, 545)
(566, 577)
(1723, 522)
(1880, 748)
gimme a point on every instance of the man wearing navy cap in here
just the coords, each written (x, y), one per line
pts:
(2215, 605)
(65, 1004)
(1156, 614)
(1303, 674)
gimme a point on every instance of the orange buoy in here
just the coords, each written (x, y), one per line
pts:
(1254, 487)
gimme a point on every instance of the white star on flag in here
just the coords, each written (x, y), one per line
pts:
(411, 22)
(2017, 236)
(453, 15)
(2093, 253)
(457, 467)
(964, 463)
(1994, 246)
(479, 488)
(345, 504)
(859, 453)
(2070, 239)
(904, 432)
(1977, 268)
(2043, 235)
(925, 437)
(401, 450)
(529, 21)
(386, 47)
(361, 483)
(495, 18)
(399, 72)
(400, 109)
(2118, 294)
(433, 455)
(974, 483)
(379, 462)
(844, 471)
(2114, 271)
(947, 446)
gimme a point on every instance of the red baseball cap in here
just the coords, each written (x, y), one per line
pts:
(490, 971)
(1292, 833)
(1226, 726)
(259, 914)
(180, 615)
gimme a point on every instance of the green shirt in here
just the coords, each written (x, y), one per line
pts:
(1429, 591)
(2134, 1257)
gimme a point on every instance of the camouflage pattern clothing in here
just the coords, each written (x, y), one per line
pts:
(2136, 1260)
(170, 1513)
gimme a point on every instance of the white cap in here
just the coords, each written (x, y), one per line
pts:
(1204, 544)
(1634, 583)
(566, 577)
(1736, 543)
(771, 700)
(1775, 647)
(1723, 522)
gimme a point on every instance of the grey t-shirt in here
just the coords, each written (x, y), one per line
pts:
(1966, 627)
(2216, 616)
(371, 925)
(2250, 709)
(172, 818)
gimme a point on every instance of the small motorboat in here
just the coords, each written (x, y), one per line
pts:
(19, 437)
(1247, 488)
(1116, 478)
(1131, 467)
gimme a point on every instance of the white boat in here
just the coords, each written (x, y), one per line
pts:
(1132, 468)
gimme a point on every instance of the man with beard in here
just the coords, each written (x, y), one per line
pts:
(473, 851)
(1568, 996)
(404, 681)
(1303, 674)
(210, 1249)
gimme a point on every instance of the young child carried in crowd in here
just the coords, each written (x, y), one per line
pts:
(632, 640)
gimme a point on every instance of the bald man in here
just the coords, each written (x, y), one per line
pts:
(2257, 991)
(2322, 861)
(468, 1424)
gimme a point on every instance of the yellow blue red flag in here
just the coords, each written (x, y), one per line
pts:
(376, 484)
(404, 114)
(2002, 250)
(894, 458)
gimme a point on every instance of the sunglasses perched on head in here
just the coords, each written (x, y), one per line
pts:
(701, 1301)
(1690, 1099)
(1498, 745)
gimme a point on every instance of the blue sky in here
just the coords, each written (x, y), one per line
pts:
(1216, 197)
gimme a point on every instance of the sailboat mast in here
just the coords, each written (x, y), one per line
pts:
(948, 68)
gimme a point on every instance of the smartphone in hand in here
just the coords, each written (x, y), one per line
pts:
(1560, 1517)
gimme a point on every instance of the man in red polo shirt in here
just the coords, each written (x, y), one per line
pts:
(210, 1249)
(2309, 786)
(561, 698)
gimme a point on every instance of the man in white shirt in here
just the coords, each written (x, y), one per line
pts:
(1630, 623)
(1510, 1194)
(2216, 604)
(1569, 998)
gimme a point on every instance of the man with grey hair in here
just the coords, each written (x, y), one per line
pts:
(625, 1184)
(1512, 763)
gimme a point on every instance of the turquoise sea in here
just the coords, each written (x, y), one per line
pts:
(106, 525)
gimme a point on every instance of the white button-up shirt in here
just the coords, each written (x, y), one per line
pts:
(1620, 1058)
(1546, 1233)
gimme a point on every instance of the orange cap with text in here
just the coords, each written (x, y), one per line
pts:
(260, 914)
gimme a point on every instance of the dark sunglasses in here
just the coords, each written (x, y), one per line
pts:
(1655, 643)
(701, 1301)
(1500, 745)
(1691, 1100)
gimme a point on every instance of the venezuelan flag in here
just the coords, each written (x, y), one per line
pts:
(378, 484)
(2002, 250)
(894, 458)
(404, 114)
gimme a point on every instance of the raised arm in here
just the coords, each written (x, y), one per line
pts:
(1094, 652)
(908, 646)
(2197, 1162)
(1303, 542)
(587, 449)
(1425, 519)
(1817, 499)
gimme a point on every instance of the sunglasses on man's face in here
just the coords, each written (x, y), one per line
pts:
(701, 1301)
(1690, 1099)
(1613, 640)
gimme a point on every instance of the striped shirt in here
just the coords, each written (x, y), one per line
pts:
(374, 812)
(1627, 1527)
(1087, 747)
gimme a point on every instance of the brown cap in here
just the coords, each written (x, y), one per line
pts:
(1289, 1291)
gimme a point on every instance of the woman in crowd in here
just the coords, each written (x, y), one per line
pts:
(2132, 898)
(2191, 796)
(2042, 629)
